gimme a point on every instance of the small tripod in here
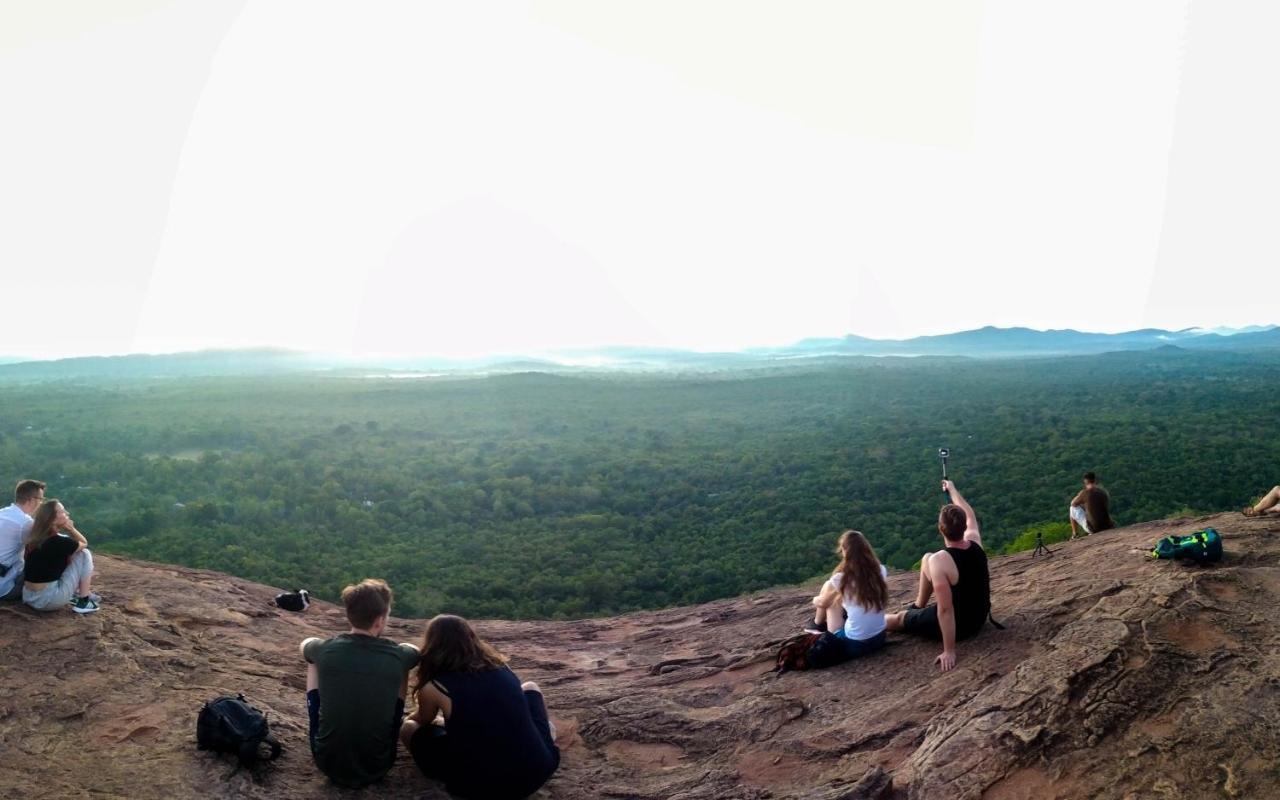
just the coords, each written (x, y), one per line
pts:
(1040, 548)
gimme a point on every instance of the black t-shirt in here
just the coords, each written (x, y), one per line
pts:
(47, 562)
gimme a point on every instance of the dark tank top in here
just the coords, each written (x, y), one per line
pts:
(971, 594)
(495, 750)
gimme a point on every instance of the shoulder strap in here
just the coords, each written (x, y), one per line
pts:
(440, 688)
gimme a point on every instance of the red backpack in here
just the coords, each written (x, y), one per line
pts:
(794, 653)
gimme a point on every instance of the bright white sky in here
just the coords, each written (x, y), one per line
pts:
(456, 178)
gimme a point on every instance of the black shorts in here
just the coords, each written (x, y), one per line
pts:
(923, 622)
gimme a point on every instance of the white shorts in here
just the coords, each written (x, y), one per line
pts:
(1082, 519)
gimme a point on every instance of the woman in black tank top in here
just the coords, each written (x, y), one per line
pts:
(496, 741)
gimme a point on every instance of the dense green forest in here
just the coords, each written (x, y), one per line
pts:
(537, 495)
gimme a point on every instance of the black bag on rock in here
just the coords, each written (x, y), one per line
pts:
(230, 725)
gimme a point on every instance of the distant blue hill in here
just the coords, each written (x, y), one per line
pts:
(988, 342)
(992, 342)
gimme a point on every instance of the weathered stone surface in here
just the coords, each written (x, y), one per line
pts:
(1116, 678)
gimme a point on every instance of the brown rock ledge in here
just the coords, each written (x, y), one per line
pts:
(1117, 678)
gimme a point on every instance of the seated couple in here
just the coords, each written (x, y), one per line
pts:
(851, 604)
(475, 727)
(44, 560)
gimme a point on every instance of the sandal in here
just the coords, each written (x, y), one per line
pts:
(1250, 511)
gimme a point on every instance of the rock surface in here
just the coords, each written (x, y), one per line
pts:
(1117, 677)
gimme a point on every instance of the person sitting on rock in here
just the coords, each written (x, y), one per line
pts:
(59, 566)
(15, 523)
(356, 684)
(957, 577)
(851, 603)
(1091, 508)
(494, 740)
(1270, 503)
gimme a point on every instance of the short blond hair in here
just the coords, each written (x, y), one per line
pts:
(366, 602)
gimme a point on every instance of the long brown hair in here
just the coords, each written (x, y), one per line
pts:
(42, 526)
(862, 581)
(450, 645)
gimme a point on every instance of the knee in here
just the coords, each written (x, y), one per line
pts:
(530, 686)
(407, 730)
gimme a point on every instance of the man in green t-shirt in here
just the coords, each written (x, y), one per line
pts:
(356, 685)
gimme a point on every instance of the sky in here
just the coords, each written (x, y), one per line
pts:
(516, 177)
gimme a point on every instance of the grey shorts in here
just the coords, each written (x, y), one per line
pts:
(59, 593)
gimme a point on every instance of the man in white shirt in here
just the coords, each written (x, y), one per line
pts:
(15, 521)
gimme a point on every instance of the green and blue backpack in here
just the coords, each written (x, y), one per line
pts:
(1202, 547)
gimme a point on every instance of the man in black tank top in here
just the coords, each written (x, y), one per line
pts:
(957, 577)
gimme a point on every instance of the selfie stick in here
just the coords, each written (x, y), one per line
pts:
(944, 453)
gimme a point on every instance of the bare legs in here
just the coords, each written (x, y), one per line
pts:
(925, 589)
(1079, 521)
(407, 729)
(827, 609)
(835, 617)
(1267, 503)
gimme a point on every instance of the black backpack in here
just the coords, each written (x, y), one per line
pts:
(231, 725)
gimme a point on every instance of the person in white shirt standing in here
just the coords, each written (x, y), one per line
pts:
(15, 521)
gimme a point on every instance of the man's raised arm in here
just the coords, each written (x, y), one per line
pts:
(972, 532)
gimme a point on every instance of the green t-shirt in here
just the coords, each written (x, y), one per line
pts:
(359, 681)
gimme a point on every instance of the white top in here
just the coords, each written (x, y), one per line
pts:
(14, 524)
(859, 622)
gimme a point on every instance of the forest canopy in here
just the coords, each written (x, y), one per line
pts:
(537, 495)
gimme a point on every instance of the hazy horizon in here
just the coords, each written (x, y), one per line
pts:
(426, 178)
(583, 350)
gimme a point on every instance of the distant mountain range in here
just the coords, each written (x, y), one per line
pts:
(988, 342)
(991, 342)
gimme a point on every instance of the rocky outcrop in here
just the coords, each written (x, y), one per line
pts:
(1117, 677)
